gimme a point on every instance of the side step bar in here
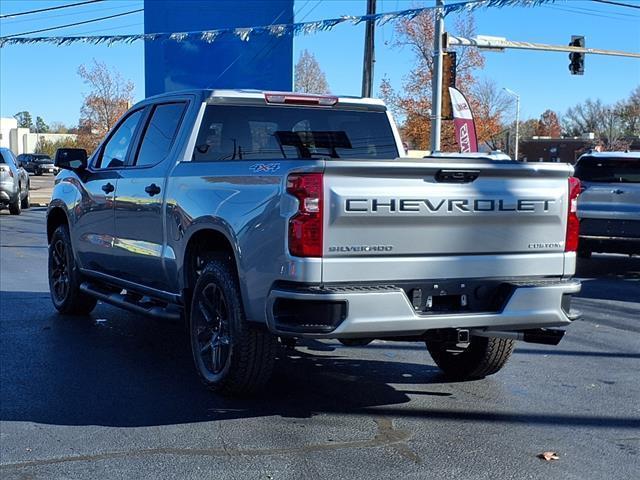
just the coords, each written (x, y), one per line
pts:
(545, 336)
(120, 300)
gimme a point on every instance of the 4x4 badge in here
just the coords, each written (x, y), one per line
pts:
(264, 167)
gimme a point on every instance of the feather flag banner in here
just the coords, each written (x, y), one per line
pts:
(465, 127)
(278, 30)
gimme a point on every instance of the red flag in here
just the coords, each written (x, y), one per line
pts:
(463, 122)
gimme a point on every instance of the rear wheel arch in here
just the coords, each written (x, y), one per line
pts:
(203, 245)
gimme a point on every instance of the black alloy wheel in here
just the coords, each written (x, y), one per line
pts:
(64, 277)
(59, 272)
(232, 355)
(211, 332)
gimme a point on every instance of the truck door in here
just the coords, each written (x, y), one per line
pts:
(93, 234)
(139, 214)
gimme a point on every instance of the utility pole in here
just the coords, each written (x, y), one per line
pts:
(511, 92)
(436, 83)
(369, 54)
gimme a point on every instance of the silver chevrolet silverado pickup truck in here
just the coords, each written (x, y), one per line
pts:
(265, 217)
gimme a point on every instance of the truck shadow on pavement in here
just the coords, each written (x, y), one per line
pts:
(122, 370)
(610, 277)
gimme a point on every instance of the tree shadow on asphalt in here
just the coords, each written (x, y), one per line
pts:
(122, 370)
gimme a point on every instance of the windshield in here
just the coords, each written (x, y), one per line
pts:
(275, 133)
(42, 158)
(608, 170)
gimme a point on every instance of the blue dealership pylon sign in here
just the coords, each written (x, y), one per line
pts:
(257, 61)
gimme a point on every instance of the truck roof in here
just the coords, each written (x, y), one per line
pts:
(250, 96)
(616, 155)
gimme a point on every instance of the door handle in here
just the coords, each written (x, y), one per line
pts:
(108, 188)
(617, 191)
(152, 189)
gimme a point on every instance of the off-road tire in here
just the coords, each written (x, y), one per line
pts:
(15, 207)
(484, 356)
(71, 300)
(250, 350)
(26, 201)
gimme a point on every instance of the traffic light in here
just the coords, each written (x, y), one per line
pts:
(448, 80)
(576, 67)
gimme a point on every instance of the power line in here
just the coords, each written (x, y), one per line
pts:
(73, 24)
(48, 9)
(619, 4)
(570, 9)
(49, 16)
(100, 30)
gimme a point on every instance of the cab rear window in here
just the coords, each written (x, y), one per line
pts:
(608, 170)
(276, 133)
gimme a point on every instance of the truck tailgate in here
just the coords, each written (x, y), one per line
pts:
(400, 213)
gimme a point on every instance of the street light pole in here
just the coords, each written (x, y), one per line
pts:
(511, 92)
(436, 83)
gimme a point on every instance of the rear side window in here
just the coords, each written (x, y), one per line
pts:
(608, 170)
(2, 157)
(160, 133)
(277, 133)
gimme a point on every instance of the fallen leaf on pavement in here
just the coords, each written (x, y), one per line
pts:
(548, 456)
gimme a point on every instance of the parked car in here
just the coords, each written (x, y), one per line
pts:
(37, 163)
(256, 216)
(609, 206)
(14, 183)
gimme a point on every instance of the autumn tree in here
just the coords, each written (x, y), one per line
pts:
(413, 103)
(108, 98)
(309, 77)
(549, 125)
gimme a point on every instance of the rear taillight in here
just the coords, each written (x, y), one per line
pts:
(573, 223)
(305, 227)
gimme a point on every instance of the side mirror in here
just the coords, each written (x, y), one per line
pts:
(71, 158)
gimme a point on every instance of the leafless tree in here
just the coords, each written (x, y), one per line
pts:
(309, 76)
(108, 99)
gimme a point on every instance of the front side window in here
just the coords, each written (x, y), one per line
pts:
(160, 133)
(275, 133)
(115, 151)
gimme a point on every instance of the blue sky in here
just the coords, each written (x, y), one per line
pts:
(43, 80)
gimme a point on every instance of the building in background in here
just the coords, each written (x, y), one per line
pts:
(258, 61)
(21, 140)
(563, 150)
(547, 149)
(6, 125)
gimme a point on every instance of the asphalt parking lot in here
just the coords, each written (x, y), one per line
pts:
(40, 188)
(115, 396)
